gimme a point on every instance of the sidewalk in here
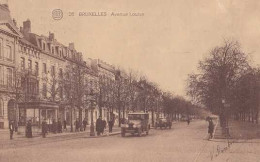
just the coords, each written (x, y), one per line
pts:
(5, 134)
(239, 130)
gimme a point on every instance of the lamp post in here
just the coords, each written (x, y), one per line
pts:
(92, 107)
(226, 127)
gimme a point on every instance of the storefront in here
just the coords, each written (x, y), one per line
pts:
(37, 111)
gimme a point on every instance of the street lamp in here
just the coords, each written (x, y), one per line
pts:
(226, 127)
(92, 107)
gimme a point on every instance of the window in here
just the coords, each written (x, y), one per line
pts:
(36, 68)
(53, 70)
(44, 68)
(61, 74)
(52, 50)
(22, 63)
(1, 107)
(9, 77)
(61, 92)
(8, 53)
(44, 90)
(1, 76)
(30, 64)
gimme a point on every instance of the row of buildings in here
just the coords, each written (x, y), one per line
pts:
(28, 65)
(31, 66)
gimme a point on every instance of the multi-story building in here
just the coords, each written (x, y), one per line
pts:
(32, 69)
(42, 58)
(106, 80)
(9, 36)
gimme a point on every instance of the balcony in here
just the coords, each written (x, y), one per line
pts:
(30, 72)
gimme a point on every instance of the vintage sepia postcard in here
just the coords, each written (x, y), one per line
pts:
(129, 81)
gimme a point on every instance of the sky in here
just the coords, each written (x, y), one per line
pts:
(165, 43)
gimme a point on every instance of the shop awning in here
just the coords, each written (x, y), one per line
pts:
(38, 105)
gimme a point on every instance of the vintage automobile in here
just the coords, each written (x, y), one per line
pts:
(163, 123)
(137, 123)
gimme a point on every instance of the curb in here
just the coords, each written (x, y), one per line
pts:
(111, 134)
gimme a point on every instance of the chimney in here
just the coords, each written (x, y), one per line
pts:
(71, 46)
(51, 36)
(14, 21)
(4, 3)
(27, 26)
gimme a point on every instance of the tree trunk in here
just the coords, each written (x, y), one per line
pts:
(71, 119)
(153, 117)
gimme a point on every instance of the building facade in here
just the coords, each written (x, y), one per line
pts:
(9, 36)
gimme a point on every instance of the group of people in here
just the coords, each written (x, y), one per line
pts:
(80, 126)
(101, 125)
(55, 127)
(58, 127)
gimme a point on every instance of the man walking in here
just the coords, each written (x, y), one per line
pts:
(84, 124)
(29, 129)
(110, 124)
(211, 129)
(64, 125)
(188, 121)
(59, 125)
(44, 128)
(104, 124)
(99, 125)
(11, 128)
(77, 125)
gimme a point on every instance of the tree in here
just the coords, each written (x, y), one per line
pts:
(218, 75)
(246, 96)
(75, 88)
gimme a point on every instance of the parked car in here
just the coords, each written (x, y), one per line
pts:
(137, 123)
(163, 123)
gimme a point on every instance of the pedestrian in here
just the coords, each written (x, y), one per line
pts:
(29, 129)
(54, 126)
(104, 123)
(44, 128)
(59, 125)
(11, 128)
(84, 124)
(110, 124)
(99, 126)
(15, 126)
(211, 128)
(188, 121)
(64, 125)
(77, 125)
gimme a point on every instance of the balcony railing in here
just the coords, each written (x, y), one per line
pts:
(30, 72)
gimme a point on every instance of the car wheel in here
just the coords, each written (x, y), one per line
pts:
(147, 132)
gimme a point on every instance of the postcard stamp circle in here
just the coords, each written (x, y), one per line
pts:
(57, 14)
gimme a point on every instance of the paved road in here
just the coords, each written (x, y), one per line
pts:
(182, 143)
